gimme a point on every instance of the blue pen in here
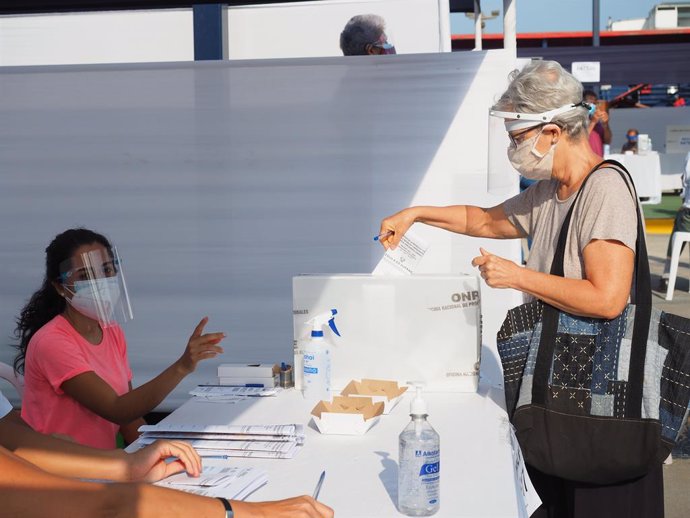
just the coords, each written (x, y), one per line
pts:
(383, 235)
(317, 490)
(246, 385)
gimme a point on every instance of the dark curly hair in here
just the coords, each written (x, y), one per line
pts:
(46, 303)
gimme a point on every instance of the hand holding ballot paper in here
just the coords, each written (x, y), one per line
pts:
(404, 258)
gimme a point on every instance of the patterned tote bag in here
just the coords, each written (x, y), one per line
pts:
(597, 400)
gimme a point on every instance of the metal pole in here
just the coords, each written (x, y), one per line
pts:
(509, 26)
(595, 23)
(477, 25)
(209, 22)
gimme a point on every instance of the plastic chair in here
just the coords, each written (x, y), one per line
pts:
(17, 380)
(678, 239)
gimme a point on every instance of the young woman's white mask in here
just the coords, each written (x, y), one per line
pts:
(529, 162)
(96, 298)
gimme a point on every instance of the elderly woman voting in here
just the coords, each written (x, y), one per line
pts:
(547, 120)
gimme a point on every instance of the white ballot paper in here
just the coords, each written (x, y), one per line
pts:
(528, 499)
(226, 441)
(233, 483)
(405, 259)
(226, 394)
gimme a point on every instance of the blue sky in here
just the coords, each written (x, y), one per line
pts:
(555, 15)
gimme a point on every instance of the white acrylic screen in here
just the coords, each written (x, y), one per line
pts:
(220, 181)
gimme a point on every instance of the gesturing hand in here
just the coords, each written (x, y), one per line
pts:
(496, 271)
(200, 347)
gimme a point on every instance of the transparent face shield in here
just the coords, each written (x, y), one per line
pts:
(94, 285)
(506, 130)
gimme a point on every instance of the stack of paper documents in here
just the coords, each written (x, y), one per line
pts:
(225, 441)
(233, 483)
(226, 394)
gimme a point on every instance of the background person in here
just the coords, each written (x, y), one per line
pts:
(365, 34)
(77, 375)
(599, 256)
(631, 138)
(598, 129)
(680, 224)
(38, 476)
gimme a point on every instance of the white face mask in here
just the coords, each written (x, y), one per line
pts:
(96, 298)
(529, 162)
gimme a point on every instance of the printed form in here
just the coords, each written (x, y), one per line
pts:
(405, 259)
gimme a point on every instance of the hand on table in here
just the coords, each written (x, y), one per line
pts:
(149, 463)
(297, 507)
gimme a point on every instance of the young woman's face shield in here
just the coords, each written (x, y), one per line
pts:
(508, 130)
(94, 285)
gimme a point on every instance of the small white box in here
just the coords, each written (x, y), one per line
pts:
(404, 328)
(346, 416)
(247, 370)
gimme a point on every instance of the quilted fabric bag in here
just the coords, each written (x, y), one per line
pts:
(597, 400)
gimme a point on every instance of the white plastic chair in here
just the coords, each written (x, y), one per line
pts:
(678, 239)
(17, 380)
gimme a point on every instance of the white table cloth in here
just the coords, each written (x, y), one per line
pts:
(646, 173)
(477, 477)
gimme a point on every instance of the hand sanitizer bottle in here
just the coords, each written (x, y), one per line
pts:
(419, 463)
(316, 358)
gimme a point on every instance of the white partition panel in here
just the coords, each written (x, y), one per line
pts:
(97, 37)
(290, 29)
(220, 181)
(312, 29)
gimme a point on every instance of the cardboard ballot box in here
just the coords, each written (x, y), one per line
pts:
(402, 328)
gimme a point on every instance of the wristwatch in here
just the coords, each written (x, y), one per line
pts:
(229, 513)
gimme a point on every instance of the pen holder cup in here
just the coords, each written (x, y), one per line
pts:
(286, 378)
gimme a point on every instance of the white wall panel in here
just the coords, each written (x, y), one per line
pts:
(312, 29)
(97, 37)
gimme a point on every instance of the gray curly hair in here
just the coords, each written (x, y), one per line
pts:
(542, 86)
(360, 31)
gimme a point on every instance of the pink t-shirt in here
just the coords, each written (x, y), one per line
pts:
(57, 353)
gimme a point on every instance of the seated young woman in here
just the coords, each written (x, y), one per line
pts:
(73, 351)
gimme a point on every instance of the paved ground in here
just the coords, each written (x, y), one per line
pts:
(677, 474)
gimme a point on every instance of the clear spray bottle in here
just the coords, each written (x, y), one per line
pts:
(419, 462)
(316, 358)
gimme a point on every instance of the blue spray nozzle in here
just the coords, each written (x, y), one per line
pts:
(317, 323)
(331, 324)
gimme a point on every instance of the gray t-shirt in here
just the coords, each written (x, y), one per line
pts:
(605, 210)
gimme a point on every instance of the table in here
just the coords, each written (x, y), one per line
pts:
(477, 478)
(646, 173)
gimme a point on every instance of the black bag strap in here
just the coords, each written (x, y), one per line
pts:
(641, 296)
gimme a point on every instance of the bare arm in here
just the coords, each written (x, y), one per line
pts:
(130, 431)
(97, 395)
(602, 294)
(461, 219)
(603, 117)
(75, 460)
(28, 491)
